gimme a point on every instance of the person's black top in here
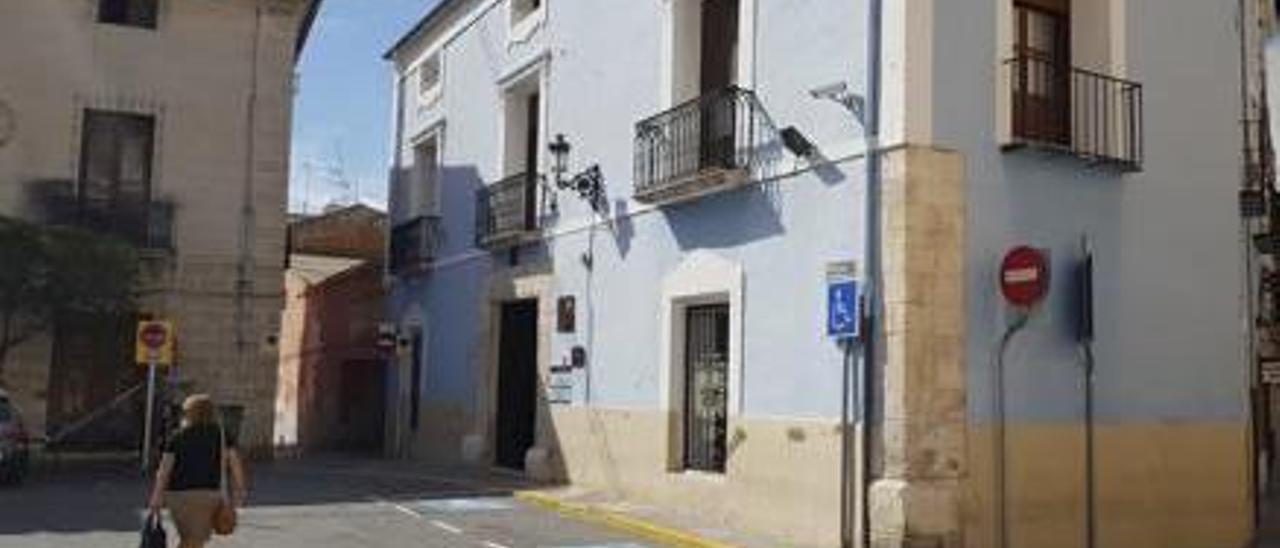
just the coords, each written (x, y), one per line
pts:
(197, 453)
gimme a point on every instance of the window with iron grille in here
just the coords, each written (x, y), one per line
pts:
(130, 13)
(706, 394)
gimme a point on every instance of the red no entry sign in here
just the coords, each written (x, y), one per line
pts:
(154, 335)
(1024, 276)
(155, 342)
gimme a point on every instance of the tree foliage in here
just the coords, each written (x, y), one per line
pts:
(48, 272)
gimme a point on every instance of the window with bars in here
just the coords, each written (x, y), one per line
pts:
(706, 383)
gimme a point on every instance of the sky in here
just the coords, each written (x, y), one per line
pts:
(342, 112)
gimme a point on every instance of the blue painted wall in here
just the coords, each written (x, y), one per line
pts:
(604, 75)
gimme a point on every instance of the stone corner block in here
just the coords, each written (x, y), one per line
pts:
(906, 514)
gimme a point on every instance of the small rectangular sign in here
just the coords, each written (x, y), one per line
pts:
(843, 314)
(154, 342)
(560, 386)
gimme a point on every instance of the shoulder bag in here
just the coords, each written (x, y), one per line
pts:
(224, 516)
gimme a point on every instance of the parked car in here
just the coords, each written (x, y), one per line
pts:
(14, 442)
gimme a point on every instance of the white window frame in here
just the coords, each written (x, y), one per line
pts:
(429, 95)
(532, 75)
(701, 278)
(524, 21)
(678, 76)
(425, 201)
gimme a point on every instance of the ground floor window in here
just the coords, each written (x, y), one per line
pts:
(706, 387)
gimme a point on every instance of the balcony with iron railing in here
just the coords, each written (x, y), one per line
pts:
(507, 212)
(706, 145)
(147, 225)
(1086, 114)
(414, 244)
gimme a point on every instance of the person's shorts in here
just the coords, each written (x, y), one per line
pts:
(192, 512)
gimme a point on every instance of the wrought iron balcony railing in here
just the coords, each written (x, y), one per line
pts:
(1084, 113)
(146, 225)
(507, 211)
(705, 145)
(414, 244)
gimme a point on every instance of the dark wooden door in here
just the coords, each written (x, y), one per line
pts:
(533, 111)
(93, 364)
(719, 66)
(1042, 71)
(362, 409)
(517, 382)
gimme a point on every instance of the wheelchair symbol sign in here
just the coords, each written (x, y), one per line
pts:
(842, 309)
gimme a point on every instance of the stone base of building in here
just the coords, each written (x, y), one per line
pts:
(782, 478)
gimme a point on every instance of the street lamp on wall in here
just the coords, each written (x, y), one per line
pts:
(588, 183)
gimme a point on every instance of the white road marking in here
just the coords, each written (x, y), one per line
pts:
(402, 509)
(495, 545)
(446, 527)
(467, 504)
(613, 545)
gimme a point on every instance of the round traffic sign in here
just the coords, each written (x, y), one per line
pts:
(1024, 276)
(154, 336)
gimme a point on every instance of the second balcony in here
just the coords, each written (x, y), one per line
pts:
(507, 212)
(706, 145)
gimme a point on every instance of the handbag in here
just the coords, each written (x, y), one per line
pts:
(224, 516)
(153, 533)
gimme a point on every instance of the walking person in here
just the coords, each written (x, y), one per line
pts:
(199, 471)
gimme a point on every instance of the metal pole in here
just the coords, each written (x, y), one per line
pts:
(871, 251)
(1090, 503)
(846, 487)
(151, 400)
(1086, 339)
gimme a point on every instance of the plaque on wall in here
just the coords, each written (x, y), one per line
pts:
(566, 314)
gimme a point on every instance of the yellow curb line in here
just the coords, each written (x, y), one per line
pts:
(618, 520)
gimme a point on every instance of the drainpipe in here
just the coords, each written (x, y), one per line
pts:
(871, 252)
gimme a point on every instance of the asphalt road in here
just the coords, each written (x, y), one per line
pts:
(301, 504)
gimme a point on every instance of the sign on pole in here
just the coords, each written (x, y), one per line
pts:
(1024, 276)
(153, 347)
(843, 318)
(155, 342)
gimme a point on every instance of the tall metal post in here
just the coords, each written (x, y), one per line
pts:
(871, 260)
(149, 421)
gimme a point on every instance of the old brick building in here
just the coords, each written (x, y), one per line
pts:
(331, 392)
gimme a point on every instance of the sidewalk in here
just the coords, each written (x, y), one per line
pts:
(685, 527)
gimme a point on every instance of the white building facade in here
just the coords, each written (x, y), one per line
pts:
(645, 311)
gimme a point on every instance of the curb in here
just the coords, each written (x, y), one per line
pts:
(618, 520)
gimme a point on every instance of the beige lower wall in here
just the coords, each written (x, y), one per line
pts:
(1160, 485)
(782, 479)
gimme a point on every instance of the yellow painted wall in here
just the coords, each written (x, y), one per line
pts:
(1160, 485)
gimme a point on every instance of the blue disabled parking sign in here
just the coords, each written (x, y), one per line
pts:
(842, 309)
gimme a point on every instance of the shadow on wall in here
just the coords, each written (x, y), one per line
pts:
(728, 219)
(621, 227)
